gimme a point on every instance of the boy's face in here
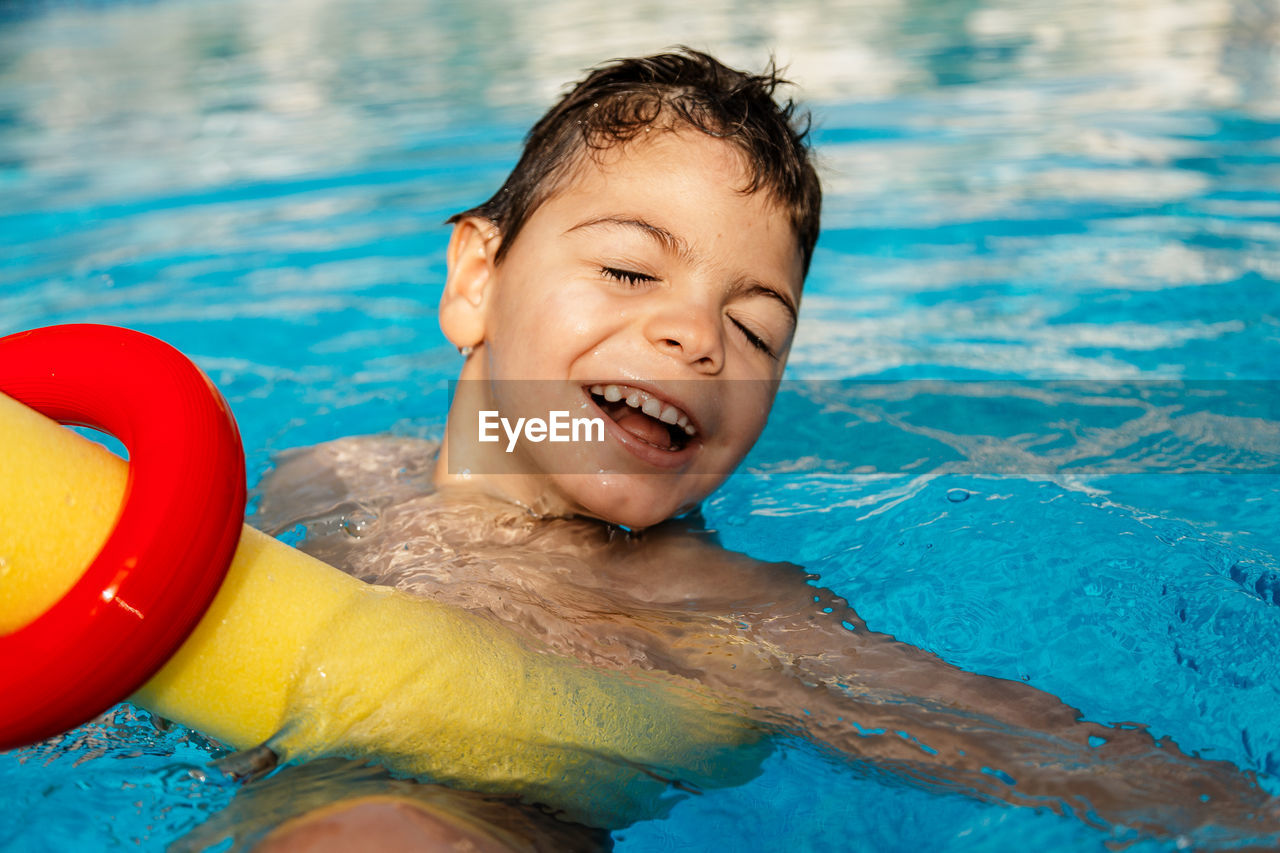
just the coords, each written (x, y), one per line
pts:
(646, 283)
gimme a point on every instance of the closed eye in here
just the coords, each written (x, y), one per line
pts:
(754, 339)
(628, 276)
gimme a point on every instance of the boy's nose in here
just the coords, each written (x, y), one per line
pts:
(688, 333)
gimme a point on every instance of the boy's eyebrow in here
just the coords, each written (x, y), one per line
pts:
(669, 241)
(676, 245)
(750, 287)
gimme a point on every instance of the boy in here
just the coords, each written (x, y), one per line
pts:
(644, 261)
(642, 268)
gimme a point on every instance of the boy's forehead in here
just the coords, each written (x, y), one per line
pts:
(648, 167)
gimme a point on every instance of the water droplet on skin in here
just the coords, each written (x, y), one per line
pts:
(957, 495)
(355, 524)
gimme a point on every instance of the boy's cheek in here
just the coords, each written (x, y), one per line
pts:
(545, 325)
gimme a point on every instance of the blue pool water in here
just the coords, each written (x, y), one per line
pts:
(1033, 425)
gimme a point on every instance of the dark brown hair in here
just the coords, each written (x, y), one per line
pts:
(619, 100)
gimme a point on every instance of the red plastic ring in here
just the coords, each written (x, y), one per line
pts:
(170, 548)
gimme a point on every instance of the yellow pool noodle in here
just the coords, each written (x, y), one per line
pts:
(299, 655)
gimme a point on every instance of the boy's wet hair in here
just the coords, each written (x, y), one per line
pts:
(621, 99)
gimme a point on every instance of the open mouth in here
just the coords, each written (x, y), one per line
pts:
(645, 417)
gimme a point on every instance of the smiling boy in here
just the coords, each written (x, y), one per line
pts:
(644, 264)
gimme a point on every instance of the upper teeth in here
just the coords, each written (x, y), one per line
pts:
(647, 403)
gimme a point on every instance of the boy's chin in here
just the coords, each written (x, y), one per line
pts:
(633, 501)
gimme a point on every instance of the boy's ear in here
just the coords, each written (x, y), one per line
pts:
(471, 265)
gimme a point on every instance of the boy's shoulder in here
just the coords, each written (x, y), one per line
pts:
(313, 482)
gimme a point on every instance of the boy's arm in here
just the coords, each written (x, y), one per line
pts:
(924, 719)
(903, 710)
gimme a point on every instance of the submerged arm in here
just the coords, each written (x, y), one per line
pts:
(897, 709)
(929, 722)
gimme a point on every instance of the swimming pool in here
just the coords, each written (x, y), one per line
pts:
(1019, 197)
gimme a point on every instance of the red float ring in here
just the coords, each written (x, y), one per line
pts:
(170, 548)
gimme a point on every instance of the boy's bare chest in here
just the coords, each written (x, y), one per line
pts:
(567, 585)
